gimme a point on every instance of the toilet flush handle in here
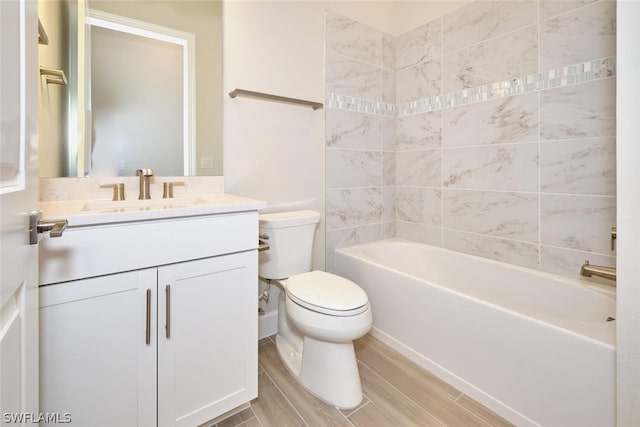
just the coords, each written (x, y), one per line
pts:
(263, 245)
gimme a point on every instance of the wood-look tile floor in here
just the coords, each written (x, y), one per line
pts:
(397, 392)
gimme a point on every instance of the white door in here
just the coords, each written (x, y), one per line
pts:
(628, 221)
(18, 197)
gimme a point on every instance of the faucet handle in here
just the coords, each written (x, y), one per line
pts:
(614, 237)
(144, 172)
(118, 190)
(167, 189)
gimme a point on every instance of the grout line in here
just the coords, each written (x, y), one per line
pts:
(442, 133)
(375, 150)
(342, 55)
(495, 190)
(539, 244)
(577, 250)
(539, 216)
(501, 144)
(285, 397)
(359, 407)
(490, 39)
(256, 416)
(406, 395)
(476, 413)
(567, 12)
(244, 423)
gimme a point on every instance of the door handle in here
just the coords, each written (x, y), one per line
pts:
(148, 319)
(37, 226)
(167, 290)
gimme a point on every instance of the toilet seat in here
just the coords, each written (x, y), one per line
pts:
(327, 293)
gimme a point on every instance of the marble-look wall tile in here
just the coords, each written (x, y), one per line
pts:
(482, 20)
(351, 77)
(512, 55)
(347, 37)
(419, 45)
(580, 111)
(421, 205)
(419, 81)
(388, 203)
(388, 168)
(579, 36)
(500, 214)
(420, 131)
(578, 222)
(388, 51)
(502, 121)
(348, 129)
(353, 168)
(388, 229)
(389, 133)
(476, 178)
(353, 207)
(510, 251)
(552, 8)
(568, 262)
(419, 233)
(419, 168)
(512, 167)
(583, 166)
(343, 238)
(57, 189)
(388, 86)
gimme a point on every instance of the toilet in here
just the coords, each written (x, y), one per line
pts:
(319, 313)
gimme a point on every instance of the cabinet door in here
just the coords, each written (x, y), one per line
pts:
(96, 364)
(207, 338)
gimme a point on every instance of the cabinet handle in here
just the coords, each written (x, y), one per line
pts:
(168, 309)
(148, 317)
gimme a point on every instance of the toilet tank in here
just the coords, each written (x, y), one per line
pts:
(290, 238)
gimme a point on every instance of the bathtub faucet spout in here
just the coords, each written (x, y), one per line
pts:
(589, 270)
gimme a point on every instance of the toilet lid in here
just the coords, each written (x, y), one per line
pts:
(327, 293)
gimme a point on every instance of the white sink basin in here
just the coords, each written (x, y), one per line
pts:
(108, 205)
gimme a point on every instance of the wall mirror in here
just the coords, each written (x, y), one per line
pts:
(144, 87)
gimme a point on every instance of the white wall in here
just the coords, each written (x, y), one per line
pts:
(274, 151)
(628, 315)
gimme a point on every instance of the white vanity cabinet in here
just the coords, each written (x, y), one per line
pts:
(165, 335)
(94, 362)
(207, 338)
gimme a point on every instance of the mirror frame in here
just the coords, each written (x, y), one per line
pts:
(144, 29)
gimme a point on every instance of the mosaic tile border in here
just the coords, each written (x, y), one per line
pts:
(344, 102)
(583, 72)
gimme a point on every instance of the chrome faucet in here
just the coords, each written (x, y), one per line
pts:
(589, 270)
(144, 175)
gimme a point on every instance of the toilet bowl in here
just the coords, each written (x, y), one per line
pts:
(319, 313)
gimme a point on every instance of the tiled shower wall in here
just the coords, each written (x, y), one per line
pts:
(497, 139)
(360, 146)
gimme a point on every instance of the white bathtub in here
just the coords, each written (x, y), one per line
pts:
(535, 347)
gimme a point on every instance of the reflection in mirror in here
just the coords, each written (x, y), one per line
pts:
(68, 149)
(141, 97)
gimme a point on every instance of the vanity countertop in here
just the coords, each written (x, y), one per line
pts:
(92, 212)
